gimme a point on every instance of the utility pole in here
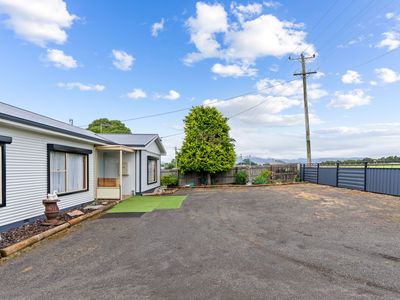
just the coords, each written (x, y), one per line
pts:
(304, 74)
(176, 162)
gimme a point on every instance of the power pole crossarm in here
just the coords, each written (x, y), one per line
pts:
(304, 74)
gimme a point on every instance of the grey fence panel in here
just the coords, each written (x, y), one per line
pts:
(281, 173)
(327, 176)
(301, 172)
(352, 178)
(310, 174)
(385, 181)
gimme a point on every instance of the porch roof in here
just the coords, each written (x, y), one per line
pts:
(115, 148)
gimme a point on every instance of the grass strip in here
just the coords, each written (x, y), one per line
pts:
(148, 204)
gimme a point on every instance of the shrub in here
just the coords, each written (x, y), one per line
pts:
(241, 177)
(259, 180)
(266, 174)
(263, 178)
(169, 180)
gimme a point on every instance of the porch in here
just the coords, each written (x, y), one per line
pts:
(115, 172)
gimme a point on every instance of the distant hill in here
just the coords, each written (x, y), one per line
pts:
(272, 161)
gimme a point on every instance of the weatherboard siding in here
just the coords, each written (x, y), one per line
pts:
(26, 175)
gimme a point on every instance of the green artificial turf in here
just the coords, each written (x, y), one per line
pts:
(148, 203)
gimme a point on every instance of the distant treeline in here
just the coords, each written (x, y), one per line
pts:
(382, 160)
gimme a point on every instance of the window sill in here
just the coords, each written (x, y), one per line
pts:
(71, 193)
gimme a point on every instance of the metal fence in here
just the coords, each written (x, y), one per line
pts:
(279, 173)
(383, 179)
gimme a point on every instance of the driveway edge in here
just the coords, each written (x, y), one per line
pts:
(45, 234)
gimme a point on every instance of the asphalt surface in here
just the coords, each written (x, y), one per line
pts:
(283, 242)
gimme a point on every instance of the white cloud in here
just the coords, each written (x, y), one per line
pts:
(243, 12)
(233, 70)
(172, 95)
(274, 68)
(319, 75)
(39, 21)
(122, 60)
(373, 140)
(137, 94)
(265, 36)
(351, 77)
(350, 99)
(81, 86)
(209, 20)
(60, 59)
(293, 88)
(366, 140)
(387, 75)
(373, 82)
(390, 15)
(268, 110)
(272, 4)
(156, 27)
(391, 40)
(255, 37)
(355, 41)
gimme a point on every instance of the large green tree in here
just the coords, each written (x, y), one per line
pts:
(105, 125)
(207, 147)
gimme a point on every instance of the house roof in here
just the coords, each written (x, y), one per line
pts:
(134, 140)
(15, 114)
(26, 117)
(138, 140)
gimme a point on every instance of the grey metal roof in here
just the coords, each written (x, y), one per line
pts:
(15, 114)
(136, 139)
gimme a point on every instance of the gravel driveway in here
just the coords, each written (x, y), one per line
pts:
(285, 242)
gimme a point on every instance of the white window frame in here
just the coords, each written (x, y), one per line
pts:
(151, 159)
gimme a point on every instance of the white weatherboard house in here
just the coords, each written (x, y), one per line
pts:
(40, 155)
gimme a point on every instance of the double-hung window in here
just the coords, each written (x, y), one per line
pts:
(151, 170)
(3, 141)
(68, 169)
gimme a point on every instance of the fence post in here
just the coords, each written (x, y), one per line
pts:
(317, 173)
(365, 175)
(337, 174)
(304, 172)
(301, 172)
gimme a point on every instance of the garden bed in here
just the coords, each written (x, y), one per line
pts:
(15, 235)
(239, 185)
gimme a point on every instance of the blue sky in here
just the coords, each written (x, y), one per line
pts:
(126, 59)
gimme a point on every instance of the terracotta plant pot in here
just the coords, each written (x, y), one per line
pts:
(51, 211)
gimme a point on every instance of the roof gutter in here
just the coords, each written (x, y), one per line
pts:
(49, 128)
(51, 131)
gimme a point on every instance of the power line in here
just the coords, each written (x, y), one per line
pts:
(331, 22)
(188, 108)
(320, 19)
(374, 58)
(170, 135)
(247, 109)
(358, 32)
(317, 23)
(260, 103)
(346, 26)
(150, 116)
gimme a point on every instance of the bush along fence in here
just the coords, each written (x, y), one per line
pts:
(383, 179)
(279, 173)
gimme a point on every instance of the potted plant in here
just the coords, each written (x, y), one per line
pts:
(51, 210)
